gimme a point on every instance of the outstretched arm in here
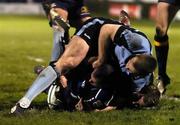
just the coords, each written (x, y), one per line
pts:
(106, 35)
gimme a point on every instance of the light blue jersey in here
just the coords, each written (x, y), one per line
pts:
(130, 42)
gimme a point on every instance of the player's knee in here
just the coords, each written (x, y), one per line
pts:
(59, 18)
(161, 38)
(161, 30)
(52, 63)
(61, 12)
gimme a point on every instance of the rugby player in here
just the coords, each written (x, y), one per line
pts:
(166, 10)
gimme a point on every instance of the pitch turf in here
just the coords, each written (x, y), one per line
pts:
(26, 41)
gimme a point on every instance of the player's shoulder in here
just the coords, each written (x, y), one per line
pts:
(107, 20)
(137, 31)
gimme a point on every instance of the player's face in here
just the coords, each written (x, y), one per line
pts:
(139, 102)
(130, 65)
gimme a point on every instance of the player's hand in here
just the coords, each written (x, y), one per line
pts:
(91, 60)
(108, 108)
(92, 80)
(63, 81)
(79, 105)
(97, 63)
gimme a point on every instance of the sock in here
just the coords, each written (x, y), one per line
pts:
(58, 45)
(44, 80)
(161, 48)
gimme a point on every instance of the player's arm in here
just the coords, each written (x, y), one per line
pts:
(106, 36)
(108, 108)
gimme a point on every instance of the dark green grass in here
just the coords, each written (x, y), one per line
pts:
(22, 39)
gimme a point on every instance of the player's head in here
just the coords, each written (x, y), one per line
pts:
(148, 96)
(141, 64)
(84, 13)
(101, 73)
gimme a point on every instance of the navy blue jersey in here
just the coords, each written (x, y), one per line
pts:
(173, 2)
(93, 97)
(90, 32)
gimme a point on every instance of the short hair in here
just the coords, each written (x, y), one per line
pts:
(151, 95)
(145, 64)
(102, 74)
(84, 12)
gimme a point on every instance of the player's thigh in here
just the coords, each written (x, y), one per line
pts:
(74, 53)
(165, 14)
(78, 47)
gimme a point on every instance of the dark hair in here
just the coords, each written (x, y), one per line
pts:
(151, 95)
(145, 64)
(84, 12)
(102, 75)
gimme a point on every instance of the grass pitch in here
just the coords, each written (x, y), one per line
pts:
(27, 41)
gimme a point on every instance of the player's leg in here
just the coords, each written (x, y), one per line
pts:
(60, 27)
(56, 11)
(165, 14)
(44, 80)
(58, 17)
(73, 55)
(58, 46)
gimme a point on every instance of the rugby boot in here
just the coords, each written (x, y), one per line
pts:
(17, 110)
(161, 83)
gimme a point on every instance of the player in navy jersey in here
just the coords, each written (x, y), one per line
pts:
(166, 10)
(82, 46)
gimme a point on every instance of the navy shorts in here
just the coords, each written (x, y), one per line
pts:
(173, 2)
(72, 6)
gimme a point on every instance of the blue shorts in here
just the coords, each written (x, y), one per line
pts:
(173, 2)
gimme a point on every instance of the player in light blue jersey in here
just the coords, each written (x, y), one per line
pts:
(132, 51)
